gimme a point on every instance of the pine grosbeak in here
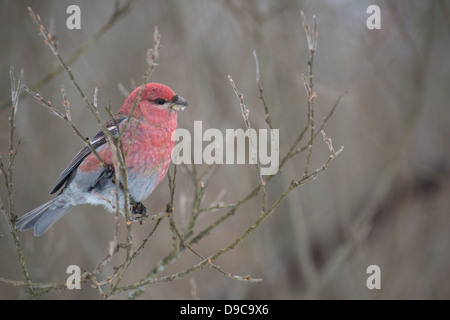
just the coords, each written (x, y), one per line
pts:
(86, 180)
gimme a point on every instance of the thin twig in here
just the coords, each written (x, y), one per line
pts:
(7, 172)
(311, 37)
(261, 96)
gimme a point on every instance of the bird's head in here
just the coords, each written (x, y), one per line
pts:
(158, 103)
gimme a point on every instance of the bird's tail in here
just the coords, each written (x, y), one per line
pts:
(43, 217)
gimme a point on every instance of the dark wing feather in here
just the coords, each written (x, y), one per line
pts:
(98, 140)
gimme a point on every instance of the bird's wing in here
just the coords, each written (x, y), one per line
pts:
(98, 140)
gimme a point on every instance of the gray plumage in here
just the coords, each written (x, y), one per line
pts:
(43, 217)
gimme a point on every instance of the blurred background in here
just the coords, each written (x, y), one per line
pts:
(384, 201)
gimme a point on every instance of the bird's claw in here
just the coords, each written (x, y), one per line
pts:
(138, 212)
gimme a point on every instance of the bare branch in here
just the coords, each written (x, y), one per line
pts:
(261, 96)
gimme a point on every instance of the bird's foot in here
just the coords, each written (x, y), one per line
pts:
(138, 212)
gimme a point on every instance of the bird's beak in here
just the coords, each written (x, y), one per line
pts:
(178, 103)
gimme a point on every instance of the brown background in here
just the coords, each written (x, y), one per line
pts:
(394, 123)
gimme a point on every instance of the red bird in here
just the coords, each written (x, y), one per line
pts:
(150, 132)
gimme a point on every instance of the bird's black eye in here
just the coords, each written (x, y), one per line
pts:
(160, 101)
